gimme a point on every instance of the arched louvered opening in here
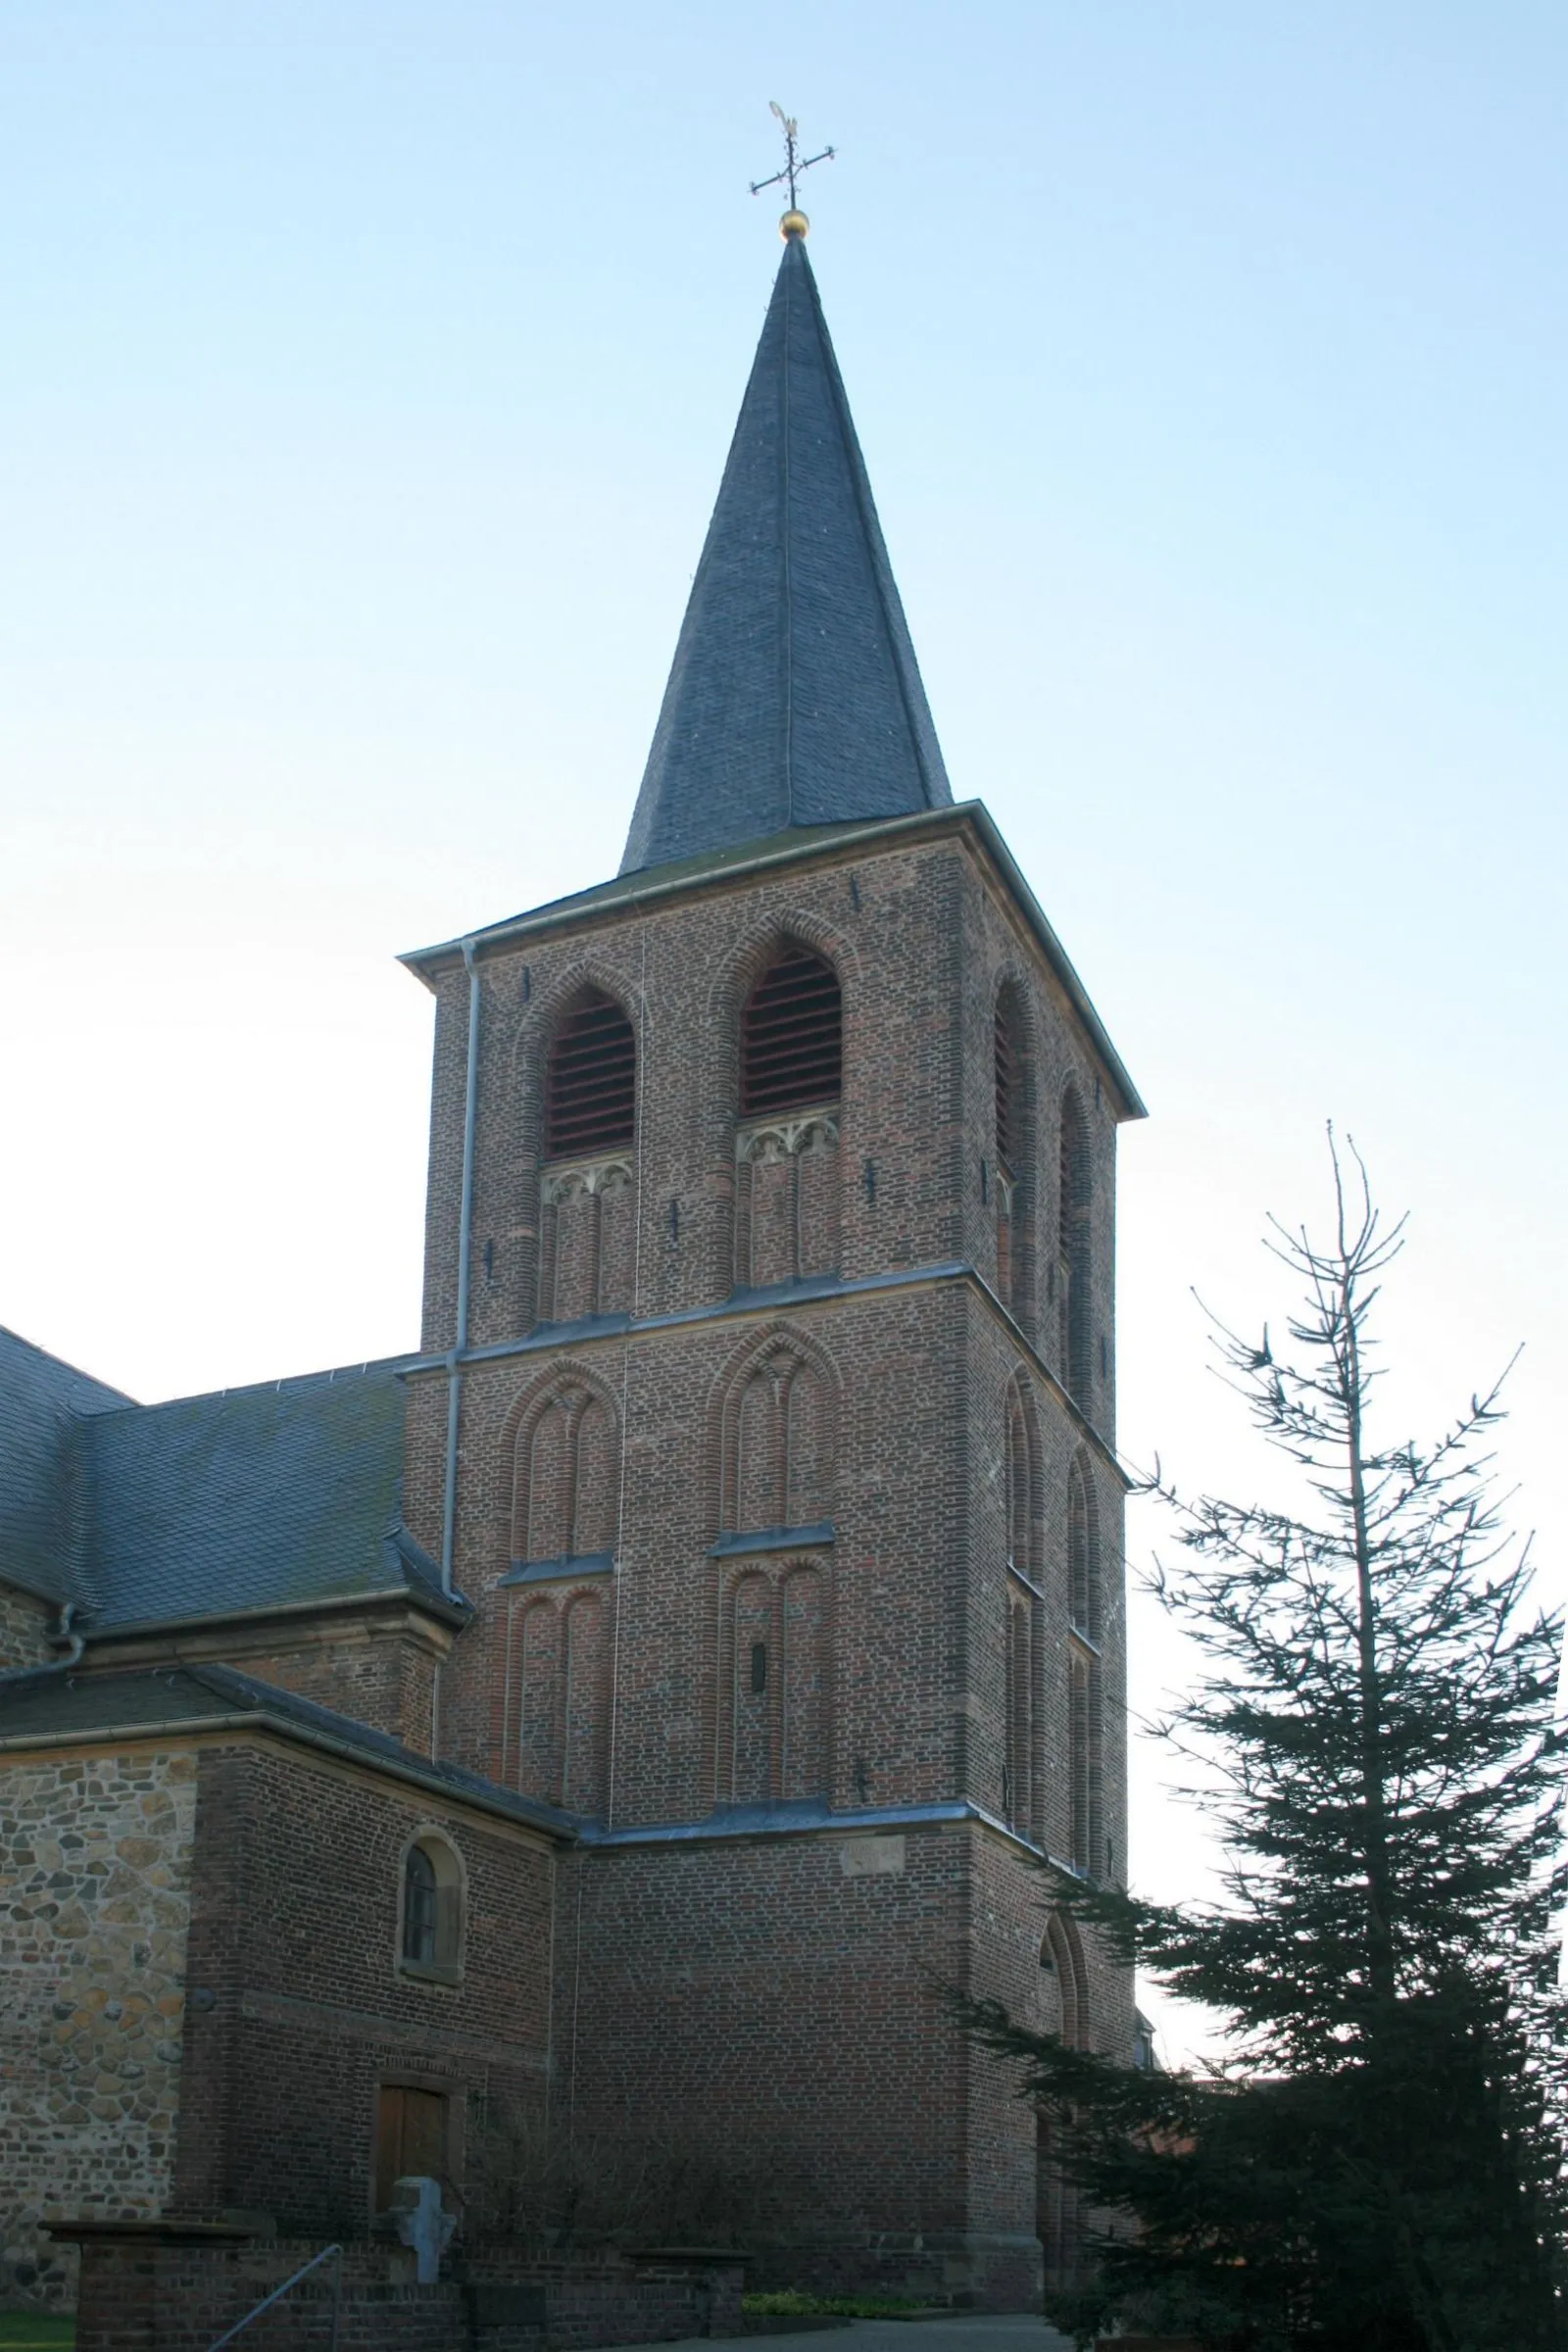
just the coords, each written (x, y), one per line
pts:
(591, 1080)
(792, 1036)
(1073, 1250)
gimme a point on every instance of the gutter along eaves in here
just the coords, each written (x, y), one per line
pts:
(258, 1723)
(456, 1613)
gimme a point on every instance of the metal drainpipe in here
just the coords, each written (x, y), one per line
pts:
(62, 1637)
(448, 1511)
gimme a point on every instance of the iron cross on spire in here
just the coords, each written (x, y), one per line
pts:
(794, 222)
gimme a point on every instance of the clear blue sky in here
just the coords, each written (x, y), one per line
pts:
(369, 370)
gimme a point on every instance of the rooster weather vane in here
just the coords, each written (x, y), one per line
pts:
(794, 222)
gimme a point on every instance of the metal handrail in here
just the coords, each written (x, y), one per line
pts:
(278, 2292)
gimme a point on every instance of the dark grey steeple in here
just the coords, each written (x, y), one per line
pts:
(795, 698)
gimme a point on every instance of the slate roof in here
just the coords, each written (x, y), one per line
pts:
(42, 1403)
(46, 1705)
(249, 1498)
(795, 698)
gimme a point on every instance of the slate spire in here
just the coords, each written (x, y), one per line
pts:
(794, 698)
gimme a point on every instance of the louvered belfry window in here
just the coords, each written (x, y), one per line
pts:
(792, 1036)
(591, 1088)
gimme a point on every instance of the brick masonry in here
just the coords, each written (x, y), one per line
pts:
(151, 2296)
(747, 1980)
(774, 1589)
(94, 1912)
(300, 2008)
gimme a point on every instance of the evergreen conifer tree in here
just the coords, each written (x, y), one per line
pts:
(1380, 2166)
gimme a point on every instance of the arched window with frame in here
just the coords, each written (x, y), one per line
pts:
(431, 1933)
(587, 1189)
(786, 1144)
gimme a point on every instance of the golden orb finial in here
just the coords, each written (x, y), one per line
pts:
(794, 225)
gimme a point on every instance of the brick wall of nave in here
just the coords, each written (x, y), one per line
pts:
(298, 2008)
(94, 1912)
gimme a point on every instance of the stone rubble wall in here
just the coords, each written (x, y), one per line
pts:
(25, 1622)
(94, 1908)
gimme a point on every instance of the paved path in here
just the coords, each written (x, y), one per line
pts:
(985, 2331)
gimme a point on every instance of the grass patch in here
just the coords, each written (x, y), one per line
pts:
(36, 2332)
(788, 2303)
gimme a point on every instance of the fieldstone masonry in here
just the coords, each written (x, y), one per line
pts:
(94, 1910)
(24, 1628)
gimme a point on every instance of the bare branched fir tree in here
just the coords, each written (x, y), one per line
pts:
(1382, 1754)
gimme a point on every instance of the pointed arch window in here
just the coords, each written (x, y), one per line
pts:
(1072, 1270)
(787, 1210)
(1059, 2211)
(1023, 1771)
(792, 1036)
(1085, 1695)
(587, 1223)
(591, 1081)
(1010, 1191)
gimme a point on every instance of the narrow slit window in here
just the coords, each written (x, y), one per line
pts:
(792, 1036)
(758, 1666)
(591, 1085)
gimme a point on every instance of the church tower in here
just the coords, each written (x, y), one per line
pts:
(766, 1417)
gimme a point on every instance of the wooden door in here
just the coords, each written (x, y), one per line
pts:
(411, 2137)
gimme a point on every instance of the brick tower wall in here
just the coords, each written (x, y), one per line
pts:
(759, 1983)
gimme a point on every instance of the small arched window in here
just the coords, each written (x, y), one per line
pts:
(431, 1942)
(792, 1036)
(591, 1080)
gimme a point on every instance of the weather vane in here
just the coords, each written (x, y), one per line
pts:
(794, 222)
